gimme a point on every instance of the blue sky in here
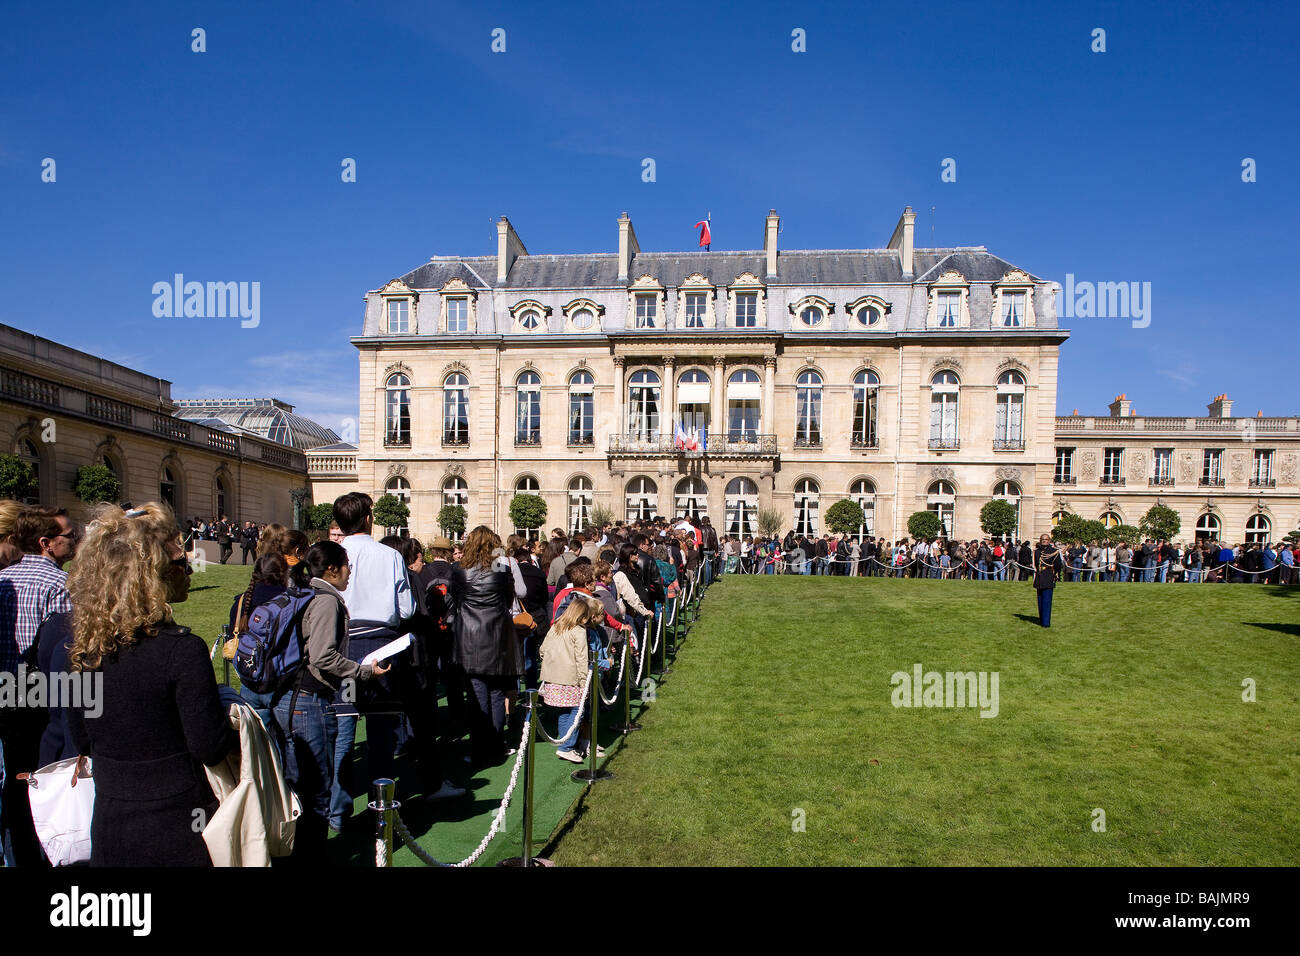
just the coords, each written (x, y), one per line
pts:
(225, 165)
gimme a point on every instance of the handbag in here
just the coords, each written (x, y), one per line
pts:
(525, 620)
(62, 798)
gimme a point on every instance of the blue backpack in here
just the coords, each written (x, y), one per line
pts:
(270, 651)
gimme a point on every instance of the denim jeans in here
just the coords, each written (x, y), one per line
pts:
(1164, 570)
(999, 571)
(1124, 572)
(262, 704)
(309, 766)
(569, 728)
(340, 798)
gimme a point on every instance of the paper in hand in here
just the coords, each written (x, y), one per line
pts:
(388, 650)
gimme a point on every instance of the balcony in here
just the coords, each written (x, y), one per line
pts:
(1064, 480)
(1008, 444)
(1112, 481)
(864, 441)
(945, 444)
(393, 440)
(1263, 482)
(1161, 481)
(331, 464)
(528, 441)
(1212, 482)
(746, 445)
(451, 439)
(582, 441)
(807, 441)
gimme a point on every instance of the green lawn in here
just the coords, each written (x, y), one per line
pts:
(1132, 703)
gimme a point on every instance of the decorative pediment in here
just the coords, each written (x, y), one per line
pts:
(398, 367)
(519, 308)
(1015, 277)
(457, 286)
(452, 368)
(697, 282)
(951, 277)
(816, 301)
(868, 301)
(747, 280)
(397, 287)
(1011, 363)
(946, 362)
(396, 470)
(578, 304)
(647, 282)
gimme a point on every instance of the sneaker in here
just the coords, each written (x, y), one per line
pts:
(446, 792)
(570, 755)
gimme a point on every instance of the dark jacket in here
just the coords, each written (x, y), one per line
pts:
(486, 642)
(1047, 566)
(52, 657)
(161, 722)
(537, 600)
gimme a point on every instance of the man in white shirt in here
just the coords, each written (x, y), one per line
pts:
(379, 599)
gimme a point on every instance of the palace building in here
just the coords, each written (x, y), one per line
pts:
(722, 383)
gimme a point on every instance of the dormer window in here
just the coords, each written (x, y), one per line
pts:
(868, 311)
(458, 309)
(746, 310)
(530, 320)
(583, 319)
(694, 309)
(695, 303)
(457, 314)
(949, 302)
(529, 315)
(811, 310)
(746, 302)
(949, 310)
(646, 311)
(581, 315)
(1013, 301)
(399, 316)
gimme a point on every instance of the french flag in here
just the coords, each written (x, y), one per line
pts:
(679, 437)
(705, 238)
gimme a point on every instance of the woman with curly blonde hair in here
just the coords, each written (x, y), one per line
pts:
(156, 718)
(10, 553)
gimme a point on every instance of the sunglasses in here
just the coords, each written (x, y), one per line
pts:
(182, 563)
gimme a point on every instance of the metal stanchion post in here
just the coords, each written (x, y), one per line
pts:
(627, 726)
(593, 773)
(528, 859)
(383, 802)
(225, 661)
(663, 646)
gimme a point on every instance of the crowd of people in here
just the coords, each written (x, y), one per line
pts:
(430, 645)
(992, 559)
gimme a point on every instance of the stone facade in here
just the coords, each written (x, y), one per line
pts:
(62, 409)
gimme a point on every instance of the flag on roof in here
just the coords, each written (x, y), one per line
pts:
(705, 237)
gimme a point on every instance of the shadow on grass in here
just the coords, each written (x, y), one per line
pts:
(1031, 618)
(1292, 629)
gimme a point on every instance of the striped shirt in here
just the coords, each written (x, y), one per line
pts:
(30, 591)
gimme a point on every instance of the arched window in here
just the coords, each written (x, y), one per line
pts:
(808, 410)
(582, 319)
(27, 451)
(167, 488)
(1258, 529)
(807, 494)
(742, 506)
(692, 498)
(582, 409)
(864, 493)
(1009, 491)
(397, 426)
(455, 410)
(399, 488)
(527, 485)
(810, 316)
(944, 391)
(221, 497)
(455, 491)
(693, 399)
(868, 315)
(1208, 527)
(1110, 519)
(580, 501)
(1009, 426)
(643, 406)
(528, 418)
(642, 499)
(743, 393)
(942, 500)
(865, 405)
(530, 320)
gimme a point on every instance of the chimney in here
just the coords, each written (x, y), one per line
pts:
(902, 240)
(509, 248)
(627, 246)
(1221, 407)
(769, 241)
(1121, 407)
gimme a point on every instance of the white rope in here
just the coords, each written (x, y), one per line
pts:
(618, 684)
(582, 706)
(497, 820)
(659, 632)
(644, 645)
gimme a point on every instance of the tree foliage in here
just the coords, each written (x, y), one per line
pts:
(924, 524)
(452, 519)
(1124, 532)
(528, 511)
(17, 478)
(598, 517)
(318, 517)
(845, 517)
(1160, 522)
(998, 518)
(391, 512)
(96, 483)
(769, 521)
(1074, 528)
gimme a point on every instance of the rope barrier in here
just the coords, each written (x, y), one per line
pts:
(582, 707)
(618, 682)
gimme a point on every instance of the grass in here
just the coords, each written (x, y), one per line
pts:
(1132, 703)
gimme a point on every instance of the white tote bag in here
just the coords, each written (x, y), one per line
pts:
(62, 806)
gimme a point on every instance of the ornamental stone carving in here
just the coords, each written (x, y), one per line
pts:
(1088, 466)
(1238, 467)
(942, 474)
(456, 470)
(1008, 474)
(397, 470)
(1287, 469)
(769, 361)
(948, 361)
(1137, 466)
(1187, 466)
